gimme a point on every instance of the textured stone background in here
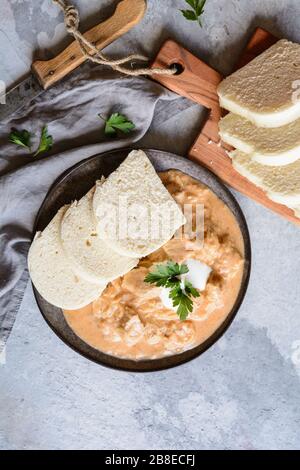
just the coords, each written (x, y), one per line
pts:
(244, 392)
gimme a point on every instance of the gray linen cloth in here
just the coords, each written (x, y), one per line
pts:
(70, 111)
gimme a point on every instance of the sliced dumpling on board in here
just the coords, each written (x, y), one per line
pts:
(136, 214)
(266, 91)
(274, 147)
(281, 183)
(51, 271)
(296, 210)
(91, 257)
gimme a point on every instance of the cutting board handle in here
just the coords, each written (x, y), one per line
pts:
(127, 14)
(195, 80)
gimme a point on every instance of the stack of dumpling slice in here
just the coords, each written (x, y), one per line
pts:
(264, 122)
(78, 253)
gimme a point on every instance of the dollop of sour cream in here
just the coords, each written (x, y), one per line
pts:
(198, 273)
(165, 299)
(198, 276)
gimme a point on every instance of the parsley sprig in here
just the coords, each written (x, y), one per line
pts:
(46, 142)
(117, 122)
(196, 12)
(165, 275)
(168, 275)
(20, 138)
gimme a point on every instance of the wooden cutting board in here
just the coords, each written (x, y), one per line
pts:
(198, 82)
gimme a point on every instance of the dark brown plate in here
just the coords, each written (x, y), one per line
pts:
(73, 184)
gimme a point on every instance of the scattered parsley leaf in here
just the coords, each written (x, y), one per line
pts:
(168, 275)
(46, 142)
(192, 3)
(20, 138)
(189, 15)
(117, 122)
(196, 12)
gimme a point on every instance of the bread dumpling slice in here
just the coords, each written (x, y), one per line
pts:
(136, 214)
(296, 210)
(266, 91)
(91, 257)
(51, 271)
(275, 147)
(281, 183)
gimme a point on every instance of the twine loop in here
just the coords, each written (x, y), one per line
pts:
(71, 19)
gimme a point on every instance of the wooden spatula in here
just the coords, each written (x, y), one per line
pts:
(127, 14)
(46, 73)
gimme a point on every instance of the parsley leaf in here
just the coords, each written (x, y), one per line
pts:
(190, 290)
(165, 275)
(196, 12)
(46, 142)
(182, 301)
(189, 15)
(117, 122)
(168, 275)
(20, 138)
(192, 3)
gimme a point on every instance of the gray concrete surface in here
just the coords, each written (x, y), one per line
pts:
(244, 392)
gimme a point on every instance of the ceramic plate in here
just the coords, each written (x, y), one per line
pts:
(73, 184)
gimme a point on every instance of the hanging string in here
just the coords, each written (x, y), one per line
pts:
(90, 51)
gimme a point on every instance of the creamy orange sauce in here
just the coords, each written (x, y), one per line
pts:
(129, 319)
